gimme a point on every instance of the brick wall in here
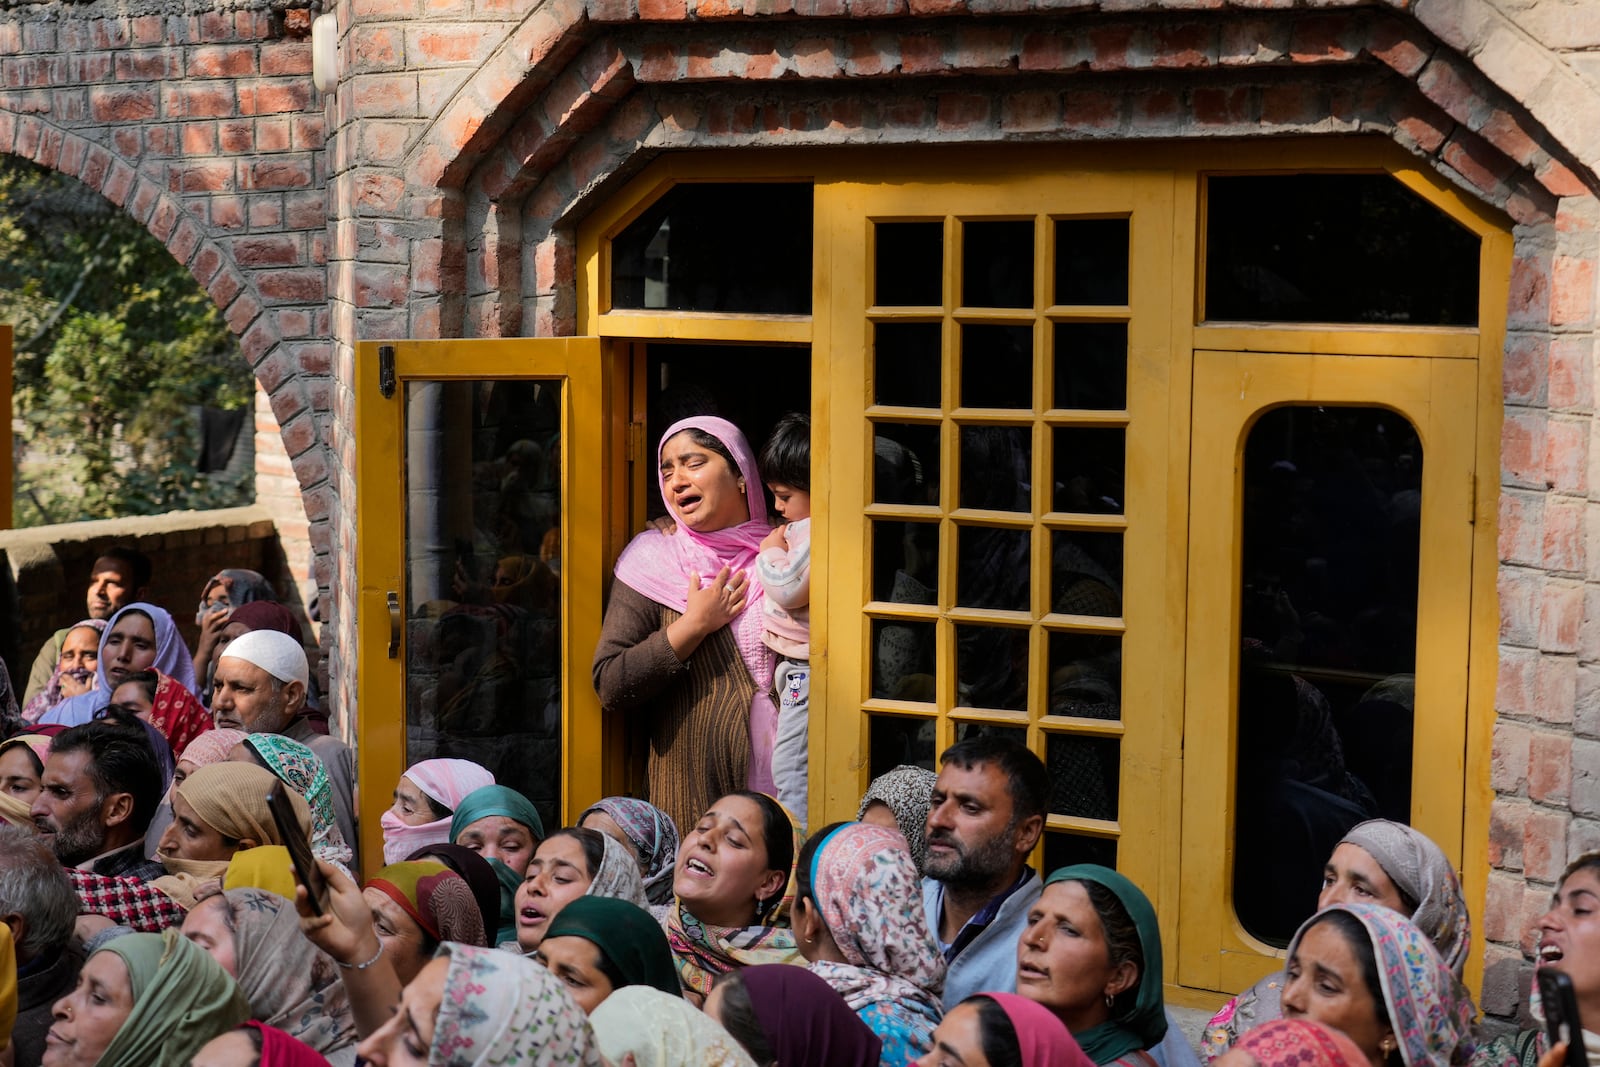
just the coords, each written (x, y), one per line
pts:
(44, 570)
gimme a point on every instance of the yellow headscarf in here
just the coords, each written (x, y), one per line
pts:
(266, 868)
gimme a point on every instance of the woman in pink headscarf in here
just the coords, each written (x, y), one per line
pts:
(424, 801)
(682, 632)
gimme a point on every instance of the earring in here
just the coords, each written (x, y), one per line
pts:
(1109, 1000)
(1387, 1046)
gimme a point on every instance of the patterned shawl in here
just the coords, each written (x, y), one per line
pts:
(210, 747)
(662, 1030)
(618, 876)
(907, 791)
(290, 983)
(302, 770)
(654, 837)
(1431, 1019)
(1301, 1043)
(702, 951)
(436, 898)
(500, 1008)
(1422, 872)
(177, 713)
(50, 695)
(866, 887)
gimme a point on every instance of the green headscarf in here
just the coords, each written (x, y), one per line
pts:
(182, 998)
(1145, 1024)
(496, 800)
(626, 935)
(509, 881)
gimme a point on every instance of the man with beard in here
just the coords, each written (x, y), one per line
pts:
(987, 814)
(38, 903)
(101, 785)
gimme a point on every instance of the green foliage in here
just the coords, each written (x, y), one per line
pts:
(115, 347)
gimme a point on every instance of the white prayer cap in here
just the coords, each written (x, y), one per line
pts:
(276, 653)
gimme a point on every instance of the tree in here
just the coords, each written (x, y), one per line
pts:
(116, 346)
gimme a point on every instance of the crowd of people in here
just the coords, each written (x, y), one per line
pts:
(152, 913)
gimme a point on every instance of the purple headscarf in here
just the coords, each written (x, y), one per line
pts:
(50, 695)
(805, 1020)
(172, 658)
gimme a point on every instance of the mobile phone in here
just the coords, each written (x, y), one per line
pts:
(295, 840)
(1560, 1005)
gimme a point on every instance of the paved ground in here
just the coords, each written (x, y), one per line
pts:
(1192, 1020)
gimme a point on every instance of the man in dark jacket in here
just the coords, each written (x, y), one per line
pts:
(38, 903)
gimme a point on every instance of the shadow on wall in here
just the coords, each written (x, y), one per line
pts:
(46, 570)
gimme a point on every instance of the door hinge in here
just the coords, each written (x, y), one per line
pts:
(635, 442)
(386, 371)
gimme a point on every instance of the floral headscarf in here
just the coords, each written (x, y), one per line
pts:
(865, 885)
(618, 876)
(210, 747)
(1300, 1043)
(654, 837)
(662, 1030)
(177, 713)
(239, 586)
(302, 770)
(437, 899)
(907, 791)
(1432, 1020)
(500, 1008)
(50, 695)
(289, 982)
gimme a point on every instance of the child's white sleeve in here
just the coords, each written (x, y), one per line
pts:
(785, 576)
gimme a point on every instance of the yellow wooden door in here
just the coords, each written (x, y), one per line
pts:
(481, 474)
(1328, 493)
(994, 427)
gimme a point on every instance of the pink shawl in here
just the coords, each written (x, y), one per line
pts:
(658, 566)
(1042, 1037)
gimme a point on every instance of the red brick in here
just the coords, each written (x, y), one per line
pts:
(1448, 82)
(1572, 291)
(280, 174)
(275, 97)
(1564, 535)
(266, 251)
(206, 263)
(383, 95)
(266, 213)
(962, 111)
(452, 45)
(227, 213)
(1477, 161)
(1528, 365)
(163, 219)
(202, 178)
(1571, 374)
(1521, 602)
(1506, 821)
(122, 105)
(985, 50)
(1566, 462)
(1031, 111)
(1561, 616)
(199, 139)
(1185, 46)
(298, 432)
(222, 61)
(1521, 527)
(1110, 45)
(1529, 304)
(663, 10)
(920, 53)
(1556, 177)
(1550, 768)
(1288, 105)
(1544, 844)
(1321, 39)
(660, 63)
(1503, 908)
(1221, 107)
(286, 57)
(197, 101)
(242, 312)
(1398, 46)
(117, 186)
(1092, 109)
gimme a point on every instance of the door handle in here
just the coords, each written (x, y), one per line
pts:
(394, 624)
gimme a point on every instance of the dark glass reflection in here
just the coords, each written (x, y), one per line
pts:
(1086, 675)
(1090, 468)
(996, 366)
(1085, 573)
(996, 468)
(968, 730)
(483, 590)
(1092, 261)
(1335, 248)
(992, 568)
(1091, 365)
(909, 264)
(907, 357)
(1084, 772)
(902, 660)
(1065, 850)
(905, 463)
(997, 264)
(692, 250)
(992, 667)
(1328, 613)
(905, 562)
(896, 739)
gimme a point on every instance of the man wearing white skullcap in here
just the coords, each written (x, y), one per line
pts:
(260, 688)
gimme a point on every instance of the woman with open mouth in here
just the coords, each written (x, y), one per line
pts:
(572, 863)
(734, 885)
(681, 641)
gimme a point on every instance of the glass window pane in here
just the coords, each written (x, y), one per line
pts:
(992, 667)
(1332, 508)
(902, 660)
(896, 739)
(1092, 261)
(1085, 573)
(992, 568)
(905, 463)
(996, 468)
(483, 589)
(1090, 467)
(1084, 772)
(1091, 365)
(906, 364)
(909, 270)
(1066, 850)
(968, 730)
(997, 264)
(996, 366)
(905, 562)
(1086, 675)
(1335, 248)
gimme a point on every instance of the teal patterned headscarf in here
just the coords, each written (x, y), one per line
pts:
(301, 770)
(1143, 1025)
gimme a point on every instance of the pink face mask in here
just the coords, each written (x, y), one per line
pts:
(400, 840)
